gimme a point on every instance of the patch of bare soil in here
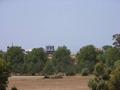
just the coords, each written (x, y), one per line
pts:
(38, 83)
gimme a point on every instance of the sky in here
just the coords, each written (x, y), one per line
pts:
(74, 23)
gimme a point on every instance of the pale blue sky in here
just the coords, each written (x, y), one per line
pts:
(74, 23)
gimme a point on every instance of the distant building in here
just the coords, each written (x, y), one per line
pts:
(99, 50)
(50, 49)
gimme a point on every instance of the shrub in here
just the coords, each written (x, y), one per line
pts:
(117, 63)
(92, 84)
(102, 85)
(4, 74)
(102, 75)
(85, 72)
(114, 82)
(99, 69)
(70, 70)
(49, 68)
(98, 84)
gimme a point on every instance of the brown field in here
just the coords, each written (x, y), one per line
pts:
(38, 83)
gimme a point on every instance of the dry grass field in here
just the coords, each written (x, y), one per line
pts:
(38, 83)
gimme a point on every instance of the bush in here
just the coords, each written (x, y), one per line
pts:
(117, 63)
(70, 70)
(4, 74)
(49, 68)
(102, 76)
(114, 82)
(102, 85)
(92, 84)
(98, 84)
(99, 69)
(84, 72)
(87, 58)
(106, 81)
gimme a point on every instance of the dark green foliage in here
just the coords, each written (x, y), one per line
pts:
(99, 69)
(87, 58)
(26, 63)
(4, 74)
(105, 79)
(63, 62)
(70, 70)
(106, 47)
(85, 72)
(92, 84)
(114, 82)
(36, 60)
(49, 68)
(97, 84)
(15, 55)
(102, 75)
(61, 59)
(102, 85)
(102, 71)
(37, 54)
(111, 56)
(101, 58)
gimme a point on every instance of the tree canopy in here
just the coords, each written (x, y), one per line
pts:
(87, 57)
(4, 74)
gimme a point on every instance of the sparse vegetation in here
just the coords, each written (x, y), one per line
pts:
(103, 63)
(107, 75)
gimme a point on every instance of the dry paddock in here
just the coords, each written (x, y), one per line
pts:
(38, 83)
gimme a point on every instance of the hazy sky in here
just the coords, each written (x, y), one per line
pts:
(74, 23)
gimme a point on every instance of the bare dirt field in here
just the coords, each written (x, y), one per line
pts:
(38, 83)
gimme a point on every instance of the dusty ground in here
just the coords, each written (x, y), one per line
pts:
(37, 83)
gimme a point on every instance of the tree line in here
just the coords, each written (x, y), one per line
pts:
(102, 63)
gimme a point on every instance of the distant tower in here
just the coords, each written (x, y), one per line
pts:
(50, 49)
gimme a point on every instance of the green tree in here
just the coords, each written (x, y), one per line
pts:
(99, 69)
(87, 58)
(111, 56)
(36, 60)
(101, 56)
(97, 84)
(106, 47)
(107, 77)
(49, 68)
(4, 74)
(70, 70)
(101, 78)
(62, 59)
(15, 54)
(114, 83)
